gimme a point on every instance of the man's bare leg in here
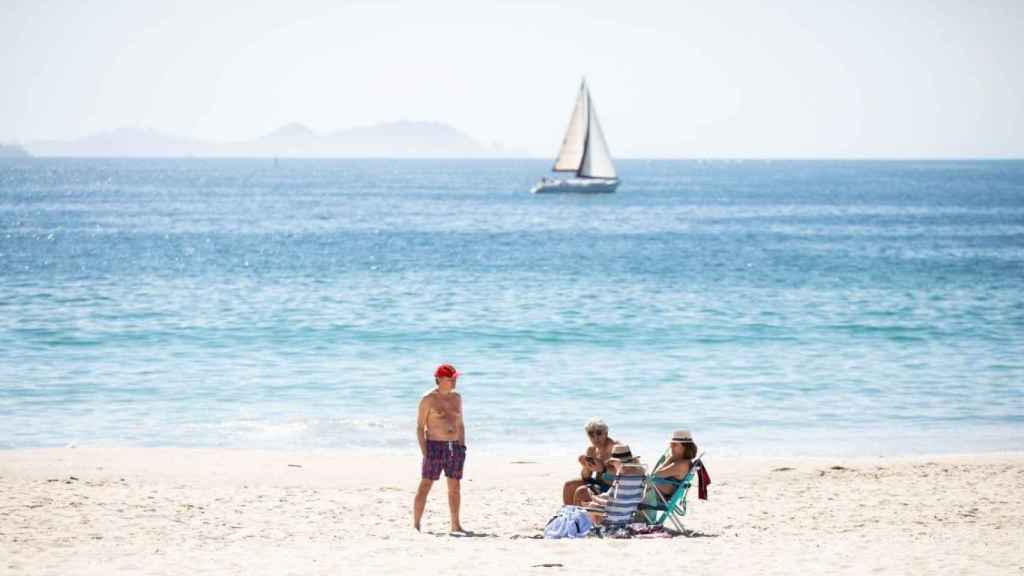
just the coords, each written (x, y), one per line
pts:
(420, 503)
(583, 496)
(454, 500)
(569, 490)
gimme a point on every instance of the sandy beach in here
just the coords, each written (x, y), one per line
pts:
(211, 511)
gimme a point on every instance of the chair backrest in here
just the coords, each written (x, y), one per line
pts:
(624, 497)
(677, 502)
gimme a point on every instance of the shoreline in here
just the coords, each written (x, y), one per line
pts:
(198, 511)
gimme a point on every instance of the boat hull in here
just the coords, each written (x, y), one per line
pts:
(576, 186)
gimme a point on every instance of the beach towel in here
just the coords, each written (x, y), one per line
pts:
(703, 479)
(570, 522)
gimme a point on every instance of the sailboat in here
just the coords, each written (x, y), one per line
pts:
(584, 153)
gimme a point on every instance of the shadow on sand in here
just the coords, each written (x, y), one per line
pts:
(687, 533)
(465, 534)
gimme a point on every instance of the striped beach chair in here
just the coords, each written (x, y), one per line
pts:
(626, 492)
(624, 497)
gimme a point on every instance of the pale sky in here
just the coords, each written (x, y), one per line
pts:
(669, 79)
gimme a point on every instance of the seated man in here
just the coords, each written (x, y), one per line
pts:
(617, 506)
(593, 463)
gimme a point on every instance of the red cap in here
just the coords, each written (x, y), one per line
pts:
(446, 371)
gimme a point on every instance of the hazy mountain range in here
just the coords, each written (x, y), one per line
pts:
(389, 140)
(12, 152)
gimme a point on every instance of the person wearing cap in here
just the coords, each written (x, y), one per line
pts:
(442, 439)
(627, 487)
(593, 463)
(681, 452)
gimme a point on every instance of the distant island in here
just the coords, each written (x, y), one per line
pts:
(10, 151)
(389, 140)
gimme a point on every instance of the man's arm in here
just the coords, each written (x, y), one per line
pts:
(586, 467)
(421, 424)
(460, 426)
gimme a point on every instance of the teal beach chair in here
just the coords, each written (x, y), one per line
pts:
(656, 508)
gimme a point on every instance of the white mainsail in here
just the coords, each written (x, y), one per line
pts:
(571, 154)
(584, 152)
(597, 160)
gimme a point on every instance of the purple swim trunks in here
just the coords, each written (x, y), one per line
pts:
(447, 456)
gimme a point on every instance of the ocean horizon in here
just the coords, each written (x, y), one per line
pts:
(773, 307)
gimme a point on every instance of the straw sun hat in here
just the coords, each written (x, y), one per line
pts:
(682, 437)
(622, 453)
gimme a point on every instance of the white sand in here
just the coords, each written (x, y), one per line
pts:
(182, 511)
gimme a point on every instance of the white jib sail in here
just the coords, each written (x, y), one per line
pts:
(571, 154)
(597, 160)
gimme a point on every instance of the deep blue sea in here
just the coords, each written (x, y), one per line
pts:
(772, 307)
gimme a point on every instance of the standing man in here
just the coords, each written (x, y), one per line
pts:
(442, 439)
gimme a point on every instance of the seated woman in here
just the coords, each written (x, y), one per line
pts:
(593, 463)
(681, 452)
(618, 504)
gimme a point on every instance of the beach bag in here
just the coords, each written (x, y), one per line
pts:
(570, 522)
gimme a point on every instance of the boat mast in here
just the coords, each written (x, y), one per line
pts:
(586, 132)
(596, 160)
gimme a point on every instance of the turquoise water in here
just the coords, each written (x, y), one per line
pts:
(807, 307)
